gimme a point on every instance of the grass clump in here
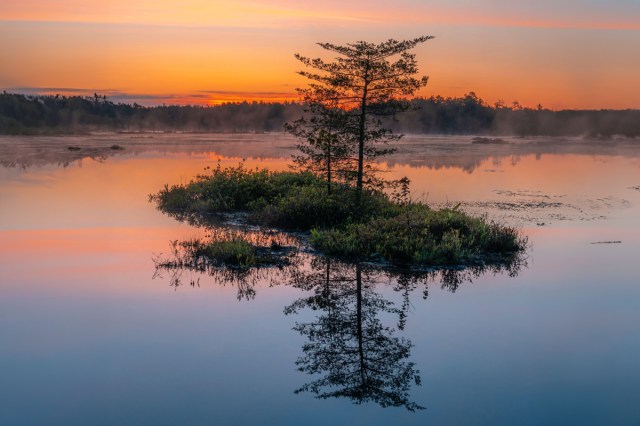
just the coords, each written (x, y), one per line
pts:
(423, 237)
(311, 207)
(231, 189)
(229, 248)
(234, 252)
(288, 200)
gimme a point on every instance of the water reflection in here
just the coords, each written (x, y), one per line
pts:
(354, 353)
(433, 152)
(353, 348)
(244, 280)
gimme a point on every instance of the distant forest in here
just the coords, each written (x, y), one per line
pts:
(21, 114)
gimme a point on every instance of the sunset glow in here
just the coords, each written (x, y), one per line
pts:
(577, 54)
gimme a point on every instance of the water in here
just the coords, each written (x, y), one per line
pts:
(90, 336)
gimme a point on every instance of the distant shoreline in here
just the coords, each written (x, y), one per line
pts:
(416, 150)
(467, 115)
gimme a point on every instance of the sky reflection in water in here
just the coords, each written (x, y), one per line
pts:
(89, 337)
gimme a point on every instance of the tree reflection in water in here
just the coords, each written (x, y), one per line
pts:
(356, 355)
(349, 350)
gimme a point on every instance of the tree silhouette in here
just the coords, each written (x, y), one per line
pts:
(324, 147)
(361, 86)
(358, 357)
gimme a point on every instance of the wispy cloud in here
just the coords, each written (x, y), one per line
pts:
(591, 14)
(201, 97)
(58, 91)
(205, 13)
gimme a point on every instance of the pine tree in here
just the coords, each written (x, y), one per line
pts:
(347, 98)
(324, 147)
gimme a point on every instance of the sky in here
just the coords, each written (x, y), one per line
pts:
(560, 54)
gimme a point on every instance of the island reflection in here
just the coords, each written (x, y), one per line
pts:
(353, 348)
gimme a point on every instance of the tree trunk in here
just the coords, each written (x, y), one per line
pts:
(361, 138)
(329, 168)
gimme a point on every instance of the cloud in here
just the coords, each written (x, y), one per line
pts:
(244, 93)
(216, 97)
(278, 14)
(201, 97)
(205, 13)
(55, 90)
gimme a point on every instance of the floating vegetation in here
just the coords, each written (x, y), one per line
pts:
(536, 207)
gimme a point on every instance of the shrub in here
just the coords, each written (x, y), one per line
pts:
(233, 252)
(231, 248)
(230, 189)
(422, 236)
(312, 207)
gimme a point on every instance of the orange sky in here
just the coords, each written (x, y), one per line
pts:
(580, 54)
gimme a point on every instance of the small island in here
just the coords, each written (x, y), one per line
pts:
(387, 229)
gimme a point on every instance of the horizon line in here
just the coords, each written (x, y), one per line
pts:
(190, 100)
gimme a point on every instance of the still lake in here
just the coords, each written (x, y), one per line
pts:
(92, 334)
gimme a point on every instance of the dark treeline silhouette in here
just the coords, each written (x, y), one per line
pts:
(22, 114)
(471, 115)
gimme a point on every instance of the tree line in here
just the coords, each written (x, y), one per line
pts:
(22, 114)
(469, 114)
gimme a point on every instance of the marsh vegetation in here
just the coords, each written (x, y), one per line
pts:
(384, 228)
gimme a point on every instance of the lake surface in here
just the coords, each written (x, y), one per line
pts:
(91, 333)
